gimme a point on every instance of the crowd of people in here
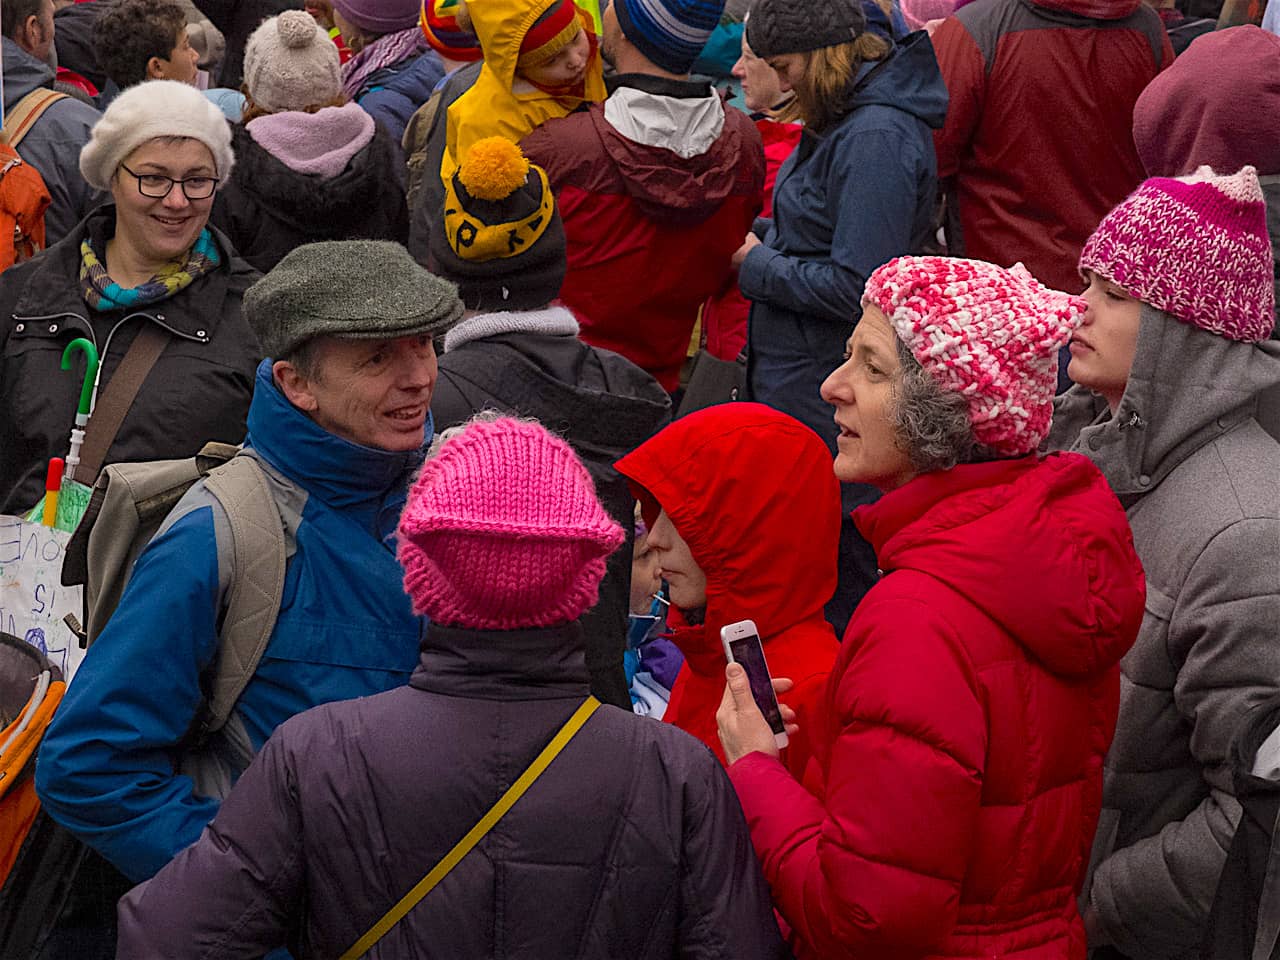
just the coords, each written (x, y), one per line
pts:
(522, 351)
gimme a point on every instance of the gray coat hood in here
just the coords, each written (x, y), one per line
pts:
(22, 73)
(1186, 388)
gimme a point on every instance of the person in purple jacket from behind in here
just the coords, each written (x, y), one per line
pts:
(630, 844)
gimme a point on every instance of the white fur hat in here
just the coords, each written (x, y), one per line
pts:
(291, 64)
(155, 108)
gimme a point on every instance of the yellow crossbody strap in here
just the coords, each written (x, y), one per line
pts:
(476, 833)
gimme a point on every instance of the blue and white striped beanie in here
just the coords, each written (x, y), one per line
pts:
(671, 33)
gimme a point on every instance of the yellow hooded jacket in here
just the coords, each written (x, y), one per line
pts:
(491, 107)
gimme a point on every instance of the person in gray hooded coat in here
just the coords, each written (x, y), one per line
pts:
(1181, 301)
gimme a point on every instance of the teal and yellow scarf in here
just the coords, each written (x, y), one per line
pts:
(102, 293)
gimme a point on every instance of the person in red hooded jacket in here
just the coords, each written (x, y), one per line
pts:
(955, 778)
(727, 493)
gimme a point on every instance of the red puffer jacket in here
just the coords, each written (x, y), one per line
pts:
(752, 493)
(952, 798)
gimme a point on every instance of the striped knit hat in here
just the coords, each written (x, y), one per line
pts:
(447, 37)
(989, 334)
(1195, 247)
(671, 33)
(503, 531)
(557, 27)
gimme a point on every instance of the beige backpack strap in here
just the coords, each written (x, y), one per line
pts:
(19, 121)
(257, 585)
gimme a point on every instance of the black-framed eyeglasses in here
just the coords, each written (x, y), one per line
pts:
(156, 186)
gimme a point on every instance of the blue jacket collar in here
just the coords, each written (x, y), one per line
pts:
(345, 475)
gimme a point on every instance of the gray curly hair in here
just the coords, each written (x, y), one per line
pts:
(931, 424)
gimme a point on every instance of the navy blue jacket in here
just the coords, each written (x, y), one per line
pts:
(107, 767)
(849, 199)
(393, 94)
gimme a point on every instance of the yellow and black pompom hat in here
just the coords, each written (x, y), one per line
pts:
(502, 241)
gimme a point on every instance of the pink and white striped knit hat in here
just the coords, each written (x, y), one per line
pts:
(503, 531)
(1195, 247)
(989, 334)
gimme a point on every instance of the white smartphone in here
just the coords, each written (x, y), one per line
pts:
(742, 645)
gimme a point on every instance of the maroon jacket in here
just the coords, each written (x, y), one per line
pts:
(650, 230)
(631, 844)
(1038, 135)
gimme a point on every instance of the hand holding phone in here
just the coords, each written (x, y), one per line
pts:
(742, 645)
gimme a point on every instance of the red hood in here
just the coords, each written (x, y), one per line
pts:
(752, 493)
(672, 190)
(1093, 9)
(1041, 546)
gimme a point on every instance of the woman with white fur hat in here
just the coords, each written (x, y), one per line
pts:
(309, 164)
(145, 269)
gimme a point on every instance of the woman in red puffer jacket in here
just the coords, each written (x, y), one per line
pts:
(956, 779)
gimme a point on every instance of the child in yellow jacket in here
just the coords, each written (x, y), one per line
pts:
(541, 60)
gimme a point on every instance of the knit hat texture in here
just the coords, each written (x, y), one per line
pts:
(989, 334)
(503, 531)
(379, 16)
(779, 27)
(502, 241)
(557, 27)
(1195, 247)
(157, 108)
(291, 64)
(671, 33)
(354, 289)
(447, 37)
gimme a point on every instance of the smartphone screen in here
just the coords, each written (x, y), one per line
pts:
(749, 652)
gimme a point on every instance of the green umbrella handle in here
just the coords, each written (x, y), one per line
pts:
(90, 373)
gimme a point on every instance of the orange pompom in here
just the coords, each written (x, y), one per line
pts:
(493, 169)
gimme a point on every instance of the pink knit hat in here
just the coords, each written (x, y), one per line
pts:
(989, 334)
(1195, 247)
(503, 531)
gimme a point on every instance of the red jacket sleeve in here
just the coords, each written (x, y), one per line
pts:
(965, 74)
(877, 863)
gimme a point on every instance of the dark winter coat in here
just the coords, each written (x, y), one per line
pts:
(268, 208)
(237, 19)
(394, 93)
(849, 199)
(631, 844)
(600, 402)
(957, 773)
(73, 38)
(198, 391)
(428, 208)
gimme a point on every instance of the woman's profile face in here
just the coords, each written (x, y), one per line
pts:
(1102, 349)
(760, 86)
(861, 390)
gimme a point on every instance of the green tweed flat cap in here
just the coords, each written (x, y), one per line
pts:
(354, 289)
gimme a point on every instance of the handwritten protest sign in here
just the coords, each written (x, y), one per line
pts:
(33, 600)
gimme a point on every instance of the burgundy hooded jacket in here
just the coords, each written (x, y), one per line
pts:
(1038, 141)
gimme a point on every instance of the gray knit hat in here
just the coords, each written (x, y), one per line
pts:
(353, 289)
(291, 64)
(778, 27)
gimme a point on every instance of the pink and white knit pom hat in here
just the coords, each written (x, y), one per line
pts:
(989, 334)
(1195, 247)
(503, 531)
